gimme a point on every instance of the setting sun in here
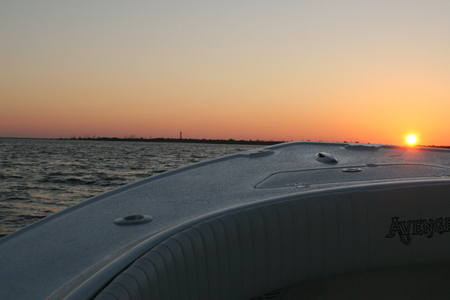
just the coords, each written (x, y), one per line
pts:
(411, 139)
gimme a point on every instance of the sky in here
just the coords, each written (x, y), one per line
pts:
(366, 71)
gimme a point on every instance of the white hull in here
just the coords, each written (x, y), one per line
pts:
(316, 220)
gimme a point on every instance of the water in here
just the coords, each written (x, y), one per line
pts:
(41, 177)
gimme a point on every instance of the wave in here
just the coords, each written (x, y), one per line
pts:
(27, 217)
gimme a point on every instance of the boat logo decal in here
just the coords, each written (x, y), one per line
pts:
(405, 229)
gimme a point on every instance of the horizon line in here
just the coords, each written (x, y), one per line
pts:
(202, 140)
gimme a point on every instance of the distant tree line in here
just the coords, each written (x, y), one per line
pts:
(172, 140)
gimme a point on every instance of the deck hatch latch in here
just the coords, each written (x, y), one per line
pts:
(325, 157)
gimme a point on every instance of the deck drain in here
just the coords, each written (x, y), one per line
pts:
(133, 220)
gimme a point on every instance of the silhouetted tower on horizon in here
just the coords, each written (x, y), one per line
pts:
(181, 135)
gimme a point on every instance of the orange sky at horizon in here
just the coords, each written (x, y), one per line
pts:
(372, 72)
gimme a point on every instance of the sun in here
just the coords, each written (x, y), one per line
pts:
(411, 139)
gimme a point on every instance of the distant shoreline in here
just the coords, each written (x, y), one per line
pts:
(170, 140)
(160, 140)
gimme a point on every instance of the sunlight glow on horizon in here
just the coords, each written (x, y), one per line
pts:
(411, 139)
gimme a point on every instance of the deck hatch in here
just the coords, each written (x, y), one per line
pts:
(341, 175)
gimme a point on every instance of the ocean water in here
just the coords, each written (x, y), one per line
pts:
(41, 177)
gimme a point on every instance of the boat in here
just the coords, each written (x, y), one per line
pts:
(298, 220)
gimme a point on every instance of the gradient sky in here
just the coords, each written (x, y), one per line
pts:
(367, 71)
